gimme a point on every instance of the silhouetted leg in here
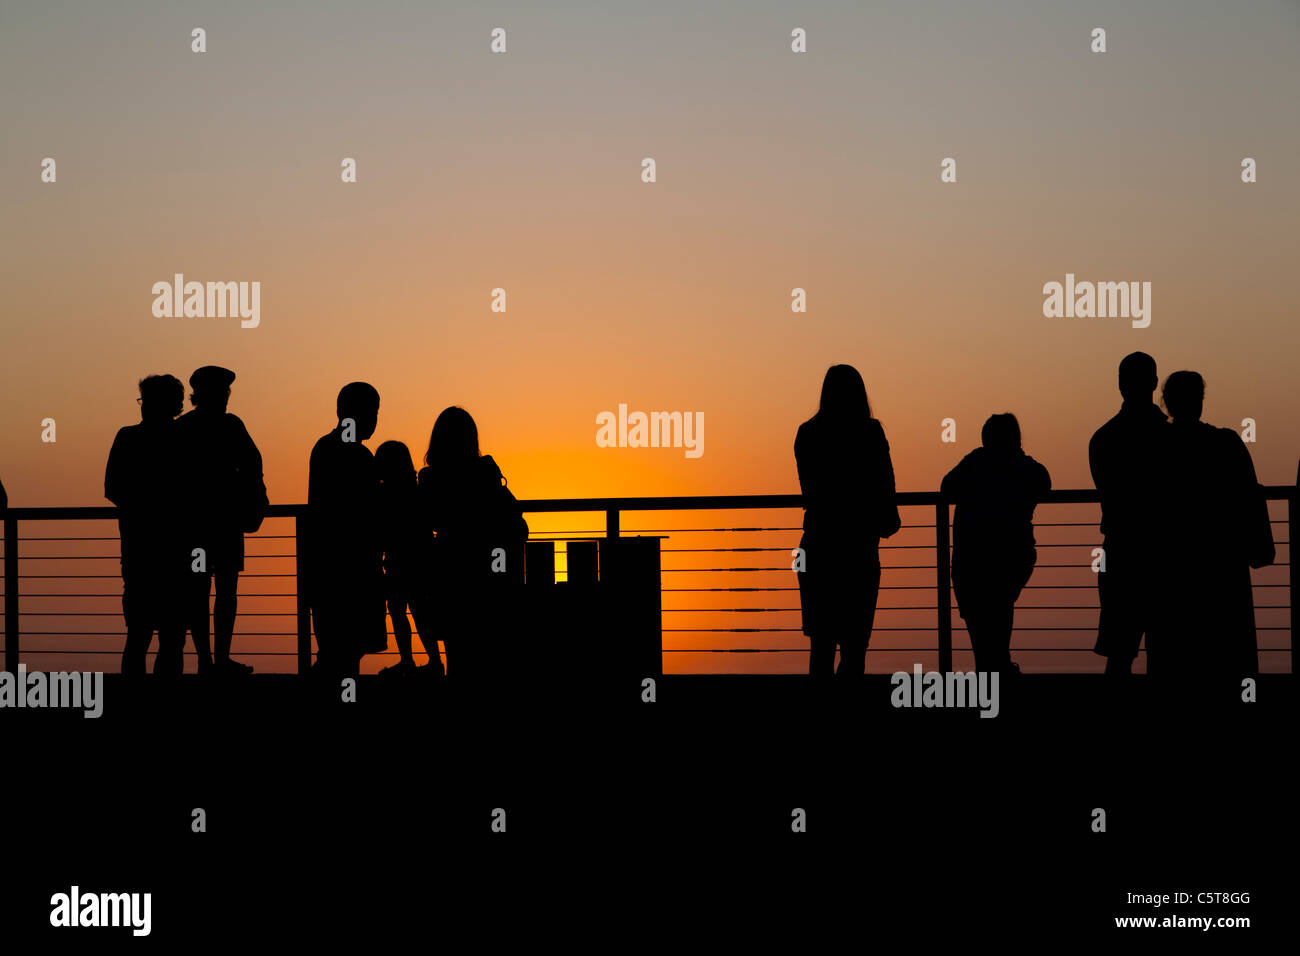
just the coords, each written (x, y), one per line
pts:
(990, 635)
(323, 629)
(853, 657)
(1006, 624)
(989, 625)
(978, 640)
(137, 647)
(401, 627)
(139, 629)
(170, 659)
(196, 615)
(224, 610)
(821, 656)
(427, 632)
(853, 646)
(1119, 624)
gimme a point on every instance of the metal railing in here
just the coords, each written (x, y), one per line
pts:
(615, 510)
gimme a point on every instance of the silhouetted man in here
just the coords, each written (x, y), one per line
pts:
(226, 496)
(1124, 456)
(1215, 523)
(995, 489)
(141, 479)
(345, 567)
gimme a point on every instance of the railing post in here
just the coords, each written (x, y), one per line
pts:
(304, 609)
(611, 523)
(1292, 509)
(943, 586)
(11, 593)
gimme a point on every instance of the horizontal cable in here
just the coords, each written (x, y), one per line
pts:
(118, 613)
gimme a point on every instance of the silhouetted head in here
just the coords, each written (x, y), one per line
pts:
(844, 395)
(1001, 433)
(360, 402)
(161, 397)
(1137, 377)
(454, 439)
(211, 388)
(1184, 396)
(393, 460)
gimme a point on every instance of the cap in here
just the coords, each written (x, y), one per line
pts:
(211, 377)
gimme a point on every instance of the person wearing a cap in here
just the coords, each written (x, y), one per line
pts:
(225, 496)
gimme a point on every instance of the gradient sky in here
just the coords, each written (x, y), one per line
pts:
(522, 171)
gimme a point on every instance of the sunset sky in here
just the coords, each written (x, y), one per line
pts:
(522, 170)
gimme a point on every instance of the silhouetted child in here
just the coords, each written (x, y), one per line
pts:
(996, 489)
(406, 541)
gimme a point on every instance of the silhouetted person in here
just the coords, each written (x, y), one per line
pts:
(407, 544)
(466, 503)
(344, 569)
(995, 489)
(4, 498)
(225, 497)
(1125, 457)
(847, 480)
(142, 479)
(1215, 525)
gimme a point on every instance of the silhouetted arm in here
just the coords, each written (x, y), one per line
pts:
(116, 481)
(890, 519)
(950, 489)
(1257, 532)
(250, 463)
(1097, 464)
(806, 482)
(1044, 481)
(4, 498)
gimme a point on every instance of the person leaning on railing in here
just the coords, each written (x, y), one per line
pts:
(995, 490)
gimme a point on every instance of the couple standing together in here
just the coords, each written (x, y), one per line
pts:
(186, 489)
(1183, 519)
(447, 543)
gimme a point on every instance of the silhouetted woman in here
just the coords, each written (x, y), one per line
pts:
(465, 502)
(847, 480)
(996, 489)
(1215, 526)
(407, 544)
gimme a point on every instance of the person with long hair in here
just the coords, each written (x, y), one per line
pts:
(480, 534)
(847, 480)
